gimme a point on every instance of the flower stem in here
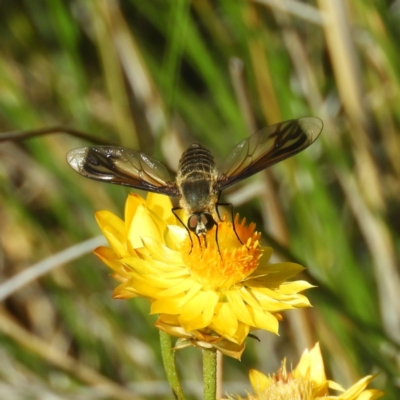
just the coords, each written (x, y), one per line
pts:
(169, 366)
(210, 374)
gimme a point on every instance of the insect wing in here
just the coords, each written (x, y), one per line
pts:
(267, 147)
(122, 166)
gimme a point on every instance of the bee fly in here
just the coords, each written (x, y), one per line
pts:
(198, 183)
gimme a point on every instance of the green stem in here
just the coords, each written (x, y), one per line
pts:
(210, 374)
(169, 366)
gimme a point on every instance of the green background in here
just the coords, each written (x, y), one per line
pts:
(156, 76)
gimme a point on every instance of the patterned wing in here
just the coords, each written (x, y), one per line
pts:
(268, 147)
(124, 167)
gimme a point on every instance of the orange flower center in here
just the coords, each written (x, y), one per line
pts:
(219, 260)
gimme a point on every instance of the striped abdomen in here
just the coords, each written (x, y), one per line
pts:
(196, 160)
(196, 179)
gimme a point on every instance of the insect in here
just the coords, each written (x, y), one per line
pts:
(198, 183)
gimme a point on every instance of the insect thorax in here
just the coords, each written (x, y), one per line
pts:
(196, 179)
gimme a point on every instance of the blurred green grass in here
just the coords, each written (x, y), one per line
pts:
(156, 76)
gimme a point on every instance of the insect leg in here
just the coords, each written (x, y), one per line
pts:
(216, 206)
(184, 225)
(232, 217)
(216, 238)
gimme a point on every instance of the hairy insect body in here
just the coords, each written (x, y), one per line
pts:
(196, 180)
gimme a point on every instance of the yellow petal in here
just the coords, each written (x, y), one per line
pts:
(259, 381)
(157, 251)
(370, 394)
(356, 390)
(241, 333)
(174, 237)
(299, 301)
(144, 224)
(192, 292)
(225, 321)
(122, 293)
(273, 275)
(109, 258)
(294, 287)
(266, 255)
(161, 206)
(237, 337)
(166, 306)
(173, 330)
(242, 313)
(287, 301)
(249, 299)
(132, 203)
(230, 349)
(113, 229)
(197, 312)
(265, 320)
(179, 289)
(267, 303)
(311, 365)
(107, 218)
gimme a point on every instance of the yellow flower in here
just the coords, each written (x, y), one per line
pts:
(209, 292)
(307, 382)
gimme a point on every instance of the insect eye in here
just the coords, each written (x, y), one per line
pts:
(193, 222)
(208, 220)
